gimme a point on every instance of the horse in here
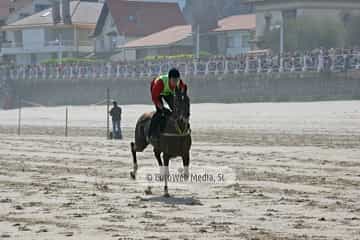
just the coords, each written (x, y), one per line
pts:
(174, 141)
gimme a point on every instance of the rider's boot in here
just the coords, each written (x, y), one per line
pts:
(154, 131)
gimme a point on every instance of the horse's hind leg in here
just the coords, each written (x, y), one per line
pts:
(135, 166)
(158, 157)
(166, 174)
(186, 163)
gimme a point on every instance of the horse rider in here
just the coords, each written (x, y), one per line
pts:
(163, 87)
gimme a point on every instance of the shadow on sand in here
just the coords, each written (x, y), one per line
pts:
(174, 200)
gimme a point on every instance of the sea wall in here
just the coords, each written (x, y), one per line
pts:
(223, 89)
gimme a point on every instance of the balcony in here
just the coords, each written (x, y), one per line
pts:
(47, 47)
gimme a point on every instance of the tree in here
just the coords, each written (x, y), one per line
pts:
(353, 32)
(307, 33)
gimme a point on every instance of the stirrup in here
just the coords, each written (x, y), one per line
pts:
(154, 138)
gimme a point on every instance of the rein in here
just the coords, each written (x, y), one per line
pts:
(185, 132)
(179, 133)
(178, 129)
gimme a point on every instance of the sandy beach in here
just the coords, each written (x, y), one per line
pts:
(279, 171)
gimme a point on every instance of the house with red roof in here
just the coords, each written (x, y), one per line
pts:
(122, 21)
(232, 36)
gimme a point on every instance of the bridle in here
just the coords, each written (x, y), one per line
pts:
(178, 116)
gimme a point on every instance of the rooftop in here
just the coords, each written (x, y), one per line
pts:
(162, 38)
(236, 23)
(83, 14)
(177, 33)
(136, 18)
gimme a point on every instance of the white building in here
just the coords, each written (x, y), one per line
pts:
(232, 37)
(36, 38)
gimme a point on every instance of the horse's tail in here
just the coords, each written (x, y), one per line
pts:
(141, 131)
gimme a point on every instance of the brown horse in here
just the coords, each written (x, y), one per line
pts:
(174, 141)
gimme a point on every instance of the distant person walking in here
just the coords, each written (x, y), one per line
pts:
(115, 114)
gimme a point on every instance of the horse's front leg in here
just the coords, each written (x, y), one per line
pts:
(166, 174)
(186, 164)
(135, 166)
(158, 157)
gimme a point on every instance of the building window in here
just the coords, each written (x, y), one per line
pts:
(3, 37)
(234, 40)
(113, 42)
(230, 41)
(40, 7)
(18, 37)
(132, 18)
(102, 44)
(33, 59)
(246, 41)
(24, 15)
(112, 22)
(289, 14)
(268, 18)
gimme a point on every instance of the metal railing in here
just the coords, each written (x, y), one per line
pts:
(217, 66)
(12, 45)
(52, 43)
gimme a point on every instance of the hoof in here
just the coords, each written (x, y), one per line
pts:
(186, 177)
(148, 191)
(166, 192)
(132, 175)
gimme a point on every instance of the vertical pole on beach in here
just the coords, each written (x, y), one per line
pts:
(66, 121)
(281, 69)
(107, 113)
(19, 118)
(197, 41)
(282, 37)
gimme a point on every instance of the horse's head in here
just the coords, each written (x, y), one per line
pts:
(181, 106)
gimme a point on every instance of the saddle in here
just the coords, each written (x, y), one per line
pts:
(158, 127)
